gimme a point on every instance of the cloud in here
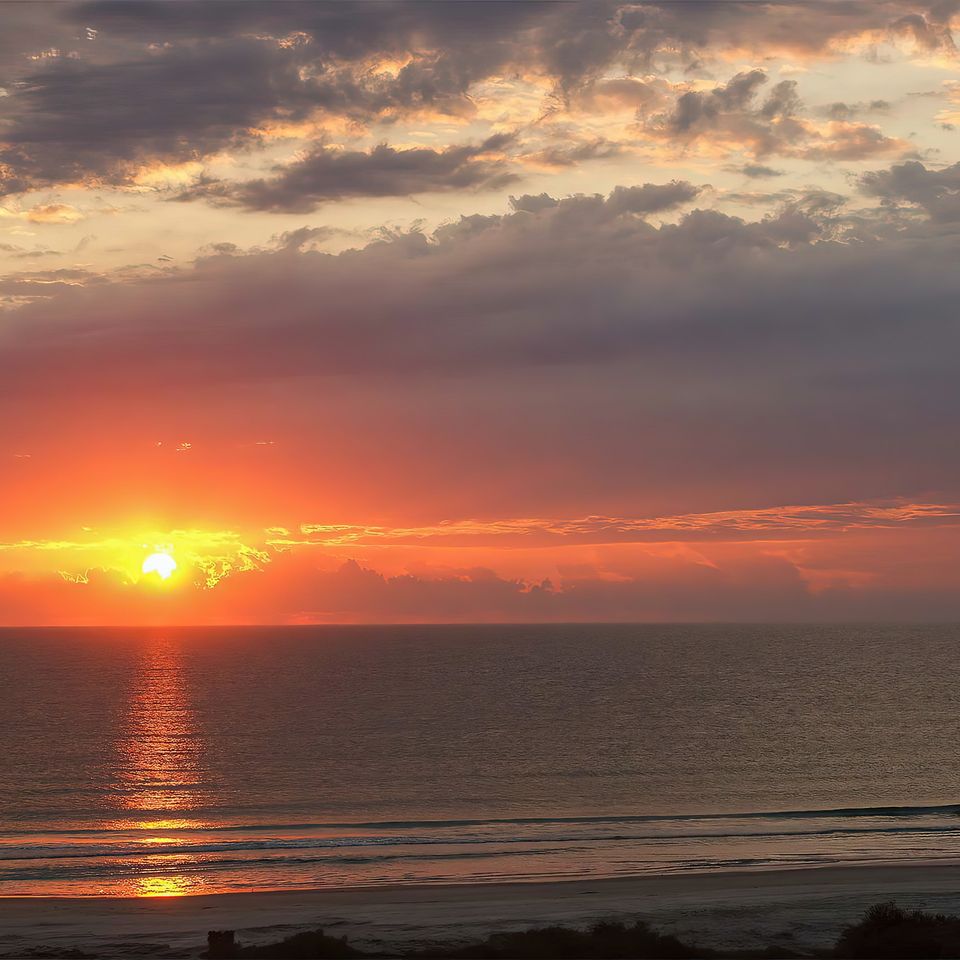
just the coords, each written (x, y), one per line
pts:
(569, 40)
(650, 197)
(24, 287)
(325, 175)
(355, 592)
(21, 253)
(618, 93)
(255, 66)
(337, 31)
(250, 67)
(733, 117)
(58, 213)
(646, 273)
(758, 171)
(930, 29)
(292, 591)
(848, 111)
(695, 111)
(60, 131)
(571, 155)
(569, 352)
(312, 237)
(771, 523)
(566, 356)
(208, 558)
(642, 199)
(53, 213)
(527, 203)
(853, 580)
(935, 191)
(850, 141)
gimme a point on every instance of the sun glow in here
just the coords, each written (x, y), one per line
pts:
(162, 564)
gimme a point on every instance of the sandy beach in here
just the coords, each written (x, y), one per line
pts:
(802, 908)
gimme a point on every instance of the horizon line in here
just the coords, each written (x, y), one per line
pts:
(482, 623)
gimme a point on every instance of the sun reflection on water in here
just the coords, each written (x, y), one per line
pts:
(160, 774)
(172, 886)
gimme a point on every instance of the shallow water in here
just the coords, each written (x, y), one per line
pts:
(145, 762)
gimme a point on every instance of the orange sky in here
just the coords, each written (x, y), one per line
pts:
(418, 313)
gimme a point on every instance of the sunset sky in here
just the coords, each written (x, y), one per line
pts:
(479, 311)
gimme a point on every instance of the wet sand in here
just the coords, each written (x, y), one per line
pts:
(800, 908)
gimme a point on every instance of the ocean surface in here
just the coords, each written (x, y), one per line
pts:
(186, 761)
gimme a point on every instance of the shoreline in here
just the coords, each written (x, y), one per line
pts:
(801, 907)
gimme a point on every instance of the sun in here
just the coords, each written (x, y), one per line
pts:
(162, 564)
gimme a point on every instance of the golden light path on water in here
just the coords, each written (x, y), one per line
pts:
(160, 770)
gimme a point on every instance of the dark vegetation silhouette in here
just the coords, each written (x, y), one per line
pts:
(614, 940)
(309, 945)
(888, 931)
(605, 941)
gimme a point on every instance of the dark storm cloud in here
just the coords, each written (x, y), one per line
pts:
(80, 119)
(935, 191)
(569, 353)
(227, 70)
(414, 303)
(573, 28)
(72, 120)
(571, 333)
(168, 82)
(30, 29)
(326, 175)
(342, 30)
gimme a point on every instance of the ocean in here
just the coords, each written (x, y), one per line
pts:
(144, 762)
